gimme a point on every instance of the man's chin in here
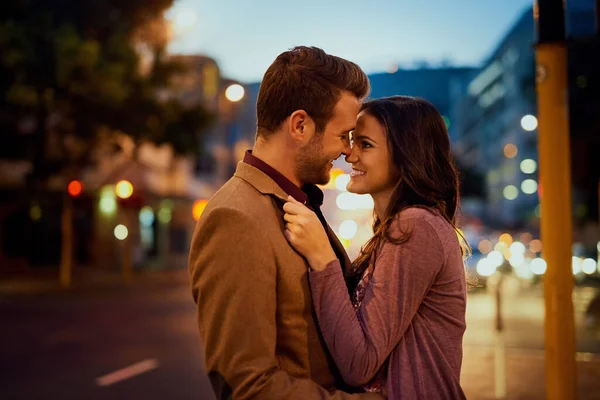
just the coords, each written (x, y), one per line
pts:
(323, 181)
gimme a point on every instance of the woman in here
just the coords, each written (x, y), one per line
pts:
(401, 330)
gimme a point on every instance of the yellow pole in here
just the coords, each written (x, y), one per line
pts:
(556, 222)
(66, 255)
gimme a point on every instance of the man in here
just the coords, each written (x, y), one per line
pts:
(254, 306)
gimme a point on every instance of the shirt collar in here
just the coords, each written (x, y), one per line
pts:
(308, 194)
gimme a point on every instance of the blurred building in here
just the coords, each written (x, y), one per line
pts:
(495, 117)
(488, 132)
(584, 115)
(438, 85)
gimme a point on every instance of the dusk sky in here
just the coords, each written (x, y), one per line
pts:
(245, 36)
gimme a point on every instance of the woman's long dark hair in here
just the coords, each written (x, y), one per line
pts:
(420, 149)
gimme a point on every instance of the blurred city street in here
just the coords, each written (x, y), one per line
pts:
(119, 121)
(116, 340)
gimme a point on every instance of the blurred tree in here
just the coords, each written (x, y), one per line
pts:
(72, 73)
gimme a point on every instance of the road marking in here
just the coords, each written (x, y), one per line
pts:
(127, 372)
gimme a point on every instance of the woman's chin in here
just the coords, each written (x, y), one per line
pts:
(356, 189)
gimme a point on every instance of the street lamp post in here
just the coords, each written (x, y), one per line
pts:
(556, 223)
(74, 189)
(66, 257)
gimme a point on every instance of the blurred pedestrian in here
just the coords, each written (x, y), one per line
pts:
(400, 332)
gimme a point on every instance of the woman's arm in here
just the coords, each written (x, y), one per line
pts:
(361, 341)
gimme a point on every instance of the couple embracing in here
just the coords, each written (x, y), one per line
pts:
(282, 311)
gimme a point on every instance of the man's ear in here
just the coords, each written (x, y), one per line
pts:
(301, 127)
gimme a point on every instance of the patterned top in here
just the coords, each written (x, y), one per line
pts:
(377, 384)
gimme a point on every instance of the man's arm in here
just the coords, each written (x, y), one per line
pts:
(233, 278)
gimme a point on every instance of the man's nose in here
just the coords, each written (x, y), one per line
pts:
(347, 148)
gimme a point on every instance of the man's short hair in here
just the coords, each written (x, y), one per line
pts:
(306, 78)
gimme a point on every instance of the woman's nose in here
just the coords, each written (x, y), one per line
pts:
(352, 157)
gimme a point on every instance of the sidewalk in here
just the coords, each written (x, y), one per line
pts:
(525, 374)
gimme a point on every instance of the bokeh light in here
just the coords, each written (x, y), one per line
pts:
(538, 266)
(124, 189)
(342, 181)
(235, 93)
(75, 188)
(348, 229)
(576, 264)
(198, 208)
(500, 247)
(146, 216)
(510, 150)
(529, 186)
(510, 192)
(495, 258)
(529, 123)
(164, 215)
(588, 266)
(485, 267)
(121, 232)
(484, 246)
(535, 245)
(447, 122)
(108, 202)
(528, 166)
(526, 238)
(517, 248)
(352, 201)
(35, 213)
(506, 238)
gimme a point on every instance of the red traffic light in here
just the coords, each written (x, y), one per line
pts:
(75, 188)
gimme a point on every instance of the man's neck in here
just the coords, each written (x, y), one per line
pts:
(279, 160)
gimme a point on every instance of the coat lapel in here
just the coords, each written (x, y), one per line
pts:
(261, 181)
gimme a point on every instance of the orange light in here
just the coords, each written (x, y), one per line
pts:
(485, 246)
(198, 208)
(75, 188)
(510, 150)
(124, 189)
(506, 238)
(526, 238)
(335, 172)
(536, 246)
